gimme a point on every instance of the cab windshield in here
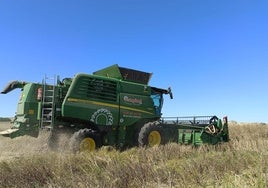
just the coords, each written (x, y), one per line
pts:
(158, 102)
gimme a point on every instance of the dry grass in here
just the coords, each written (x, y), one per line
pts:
(240, 163)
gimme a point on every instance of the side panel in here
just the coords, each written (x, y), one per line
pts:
(135, 102)
(92, 98)
(26, 118)
(28, 103)
(136, 108)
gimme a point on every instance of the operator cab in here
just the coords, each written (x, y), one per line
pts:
(158, 99)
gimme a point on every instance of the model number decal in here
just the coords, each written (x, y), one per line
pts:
(131, 114)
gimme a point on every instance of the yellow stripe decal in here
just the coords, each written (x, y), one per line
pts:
(106, 104)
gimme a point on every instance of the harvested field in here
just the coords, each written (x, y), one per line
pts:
(26, 145)
(21, 146)
(27, 162)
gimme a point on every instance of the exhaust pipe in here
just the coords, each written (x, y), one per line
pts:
(13, 85)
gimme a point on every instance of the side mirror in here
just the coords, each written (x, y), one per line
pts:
(170, 93)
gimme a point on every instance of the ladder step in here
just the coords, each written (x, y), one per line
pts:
(47, 114)
(47, 121)
(47, 109)
(48, 103)
(47, 127)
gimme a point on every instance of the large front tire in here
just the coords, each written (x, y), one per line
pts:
(151, 135)
(85, 140)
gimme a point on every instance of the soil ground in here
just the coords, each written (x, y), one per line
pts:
(23, 145)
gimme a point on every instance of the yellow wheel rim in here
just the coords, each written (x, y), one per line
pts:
(154, 138)
(87, 144)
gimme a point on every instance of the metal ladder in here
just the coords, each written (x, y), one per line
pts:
(48, 105)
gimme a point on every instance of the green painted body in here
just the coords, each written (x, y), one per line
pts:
(115, 101)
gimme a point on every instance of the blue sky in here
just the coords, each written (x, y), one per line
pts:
(213, 54)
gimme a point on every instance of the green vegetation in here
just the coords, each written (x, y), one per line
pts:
(243, 162)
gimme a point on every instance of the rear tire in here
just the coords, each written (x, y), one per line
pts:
(85, 140)
(151, 135)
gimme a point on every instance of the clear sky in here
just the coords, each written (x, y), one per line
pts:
(213, 53)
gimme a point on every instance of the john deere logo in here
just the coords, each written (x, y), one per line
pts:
(132, 100)
(102, 117)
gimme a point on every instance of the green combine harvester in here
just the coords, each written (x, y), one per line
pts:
(114, 106)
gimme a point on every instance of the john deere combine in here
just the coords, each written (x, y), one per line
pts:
(113, 106)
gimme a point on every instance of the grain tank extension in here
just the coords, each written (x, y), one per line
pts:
(113, 106)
